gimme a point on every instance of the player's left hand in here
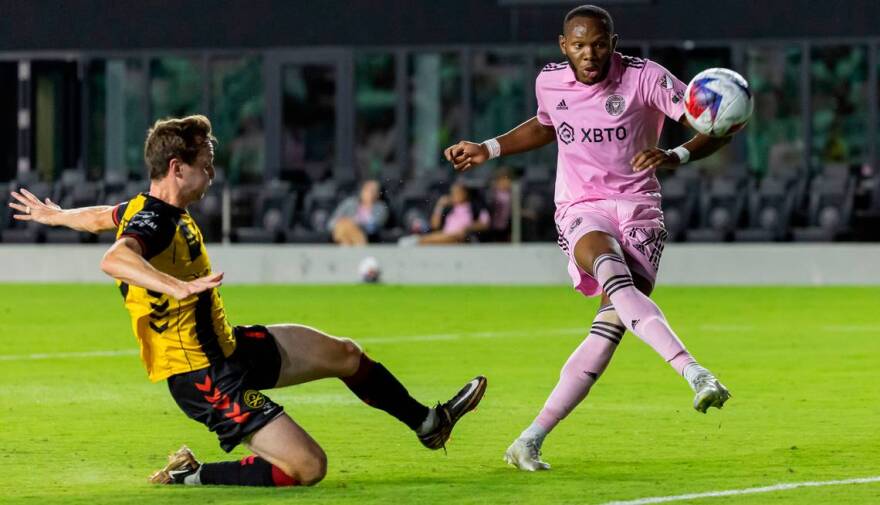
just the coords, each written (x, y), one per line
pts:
(653, 157)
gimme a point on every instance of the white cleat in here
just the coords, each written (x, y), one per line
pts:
(525, 455)
(709, 393)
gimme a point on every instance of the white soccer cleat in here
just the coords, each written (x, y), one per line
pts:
(709, 393)
(525, 455)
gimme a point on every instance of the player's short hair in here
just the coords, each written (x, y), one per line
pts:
(182, 138)
(590, 11)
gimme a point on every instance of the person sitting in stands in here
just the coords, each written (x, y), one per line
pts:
(358, 219)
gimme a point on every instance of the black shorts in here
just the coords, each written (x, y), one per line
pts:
(226, 396)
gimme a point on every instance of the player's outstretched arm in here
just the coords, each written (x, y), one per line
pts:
(123, 261)
(91, 219)
(525, 137)
(699, 147)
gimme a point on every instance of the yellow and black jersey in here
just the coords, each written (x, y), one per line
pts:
(174, 336)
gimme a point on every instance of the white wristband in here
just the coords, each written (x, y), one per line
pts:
(683, 154)
(494, 148)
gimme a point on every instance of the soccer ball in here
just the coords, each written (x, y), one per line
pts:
(369, 271)
(718, 102)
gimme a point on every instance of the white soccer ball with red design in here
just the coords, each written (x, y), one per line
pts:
(718, 102)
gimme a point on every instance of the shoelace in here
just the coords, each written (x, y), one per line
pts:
(702, 381)
(534, 451)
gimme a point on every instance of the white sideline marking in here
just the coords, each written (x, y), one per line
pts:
(751, 490)
(67, 355)
(366, 340)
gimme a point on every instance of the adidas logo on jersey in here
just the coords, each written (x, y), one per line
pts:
(561, 105)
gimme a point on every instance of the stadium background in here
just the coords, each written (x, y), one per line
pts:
(320, 96)
(308, 99)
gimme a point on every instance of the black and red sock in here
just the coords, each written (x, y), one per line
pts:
(378, 388)
(250, 471)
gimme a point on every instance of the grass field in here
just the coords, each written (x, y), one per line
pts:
(803, 365)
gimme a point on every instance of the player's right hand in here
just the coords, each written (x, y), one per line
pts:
(30, 207)
(199, 285)
(466, 155)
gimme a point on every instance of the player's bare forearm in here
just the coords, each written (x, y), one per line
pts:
(525, 137)
(699, 147)
(123, 262)
(91, 219)
(702, 146)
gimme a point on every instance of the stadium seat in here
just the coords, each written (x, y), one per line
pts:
(318, 205)
(66, 236)
(721, 206)
(69, 179)
(114, 182)
(274, 211)
(769, 213)
(829, 208)
(20, 232)
(537, 211)
(679, 202)
(208, 214)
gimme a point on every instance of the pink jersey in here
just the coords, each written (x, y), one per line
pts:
(600, 128)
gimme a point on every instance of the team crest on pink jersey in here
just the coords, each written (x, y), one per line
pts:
(615, 104)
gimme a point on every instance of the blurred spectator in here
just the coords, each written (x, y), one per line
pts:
(359, 218)
(246, 152)
(500, 205)
(456, 217)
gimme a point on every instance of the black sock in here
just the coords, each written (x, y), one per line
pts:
(375, 385)
(250, 471)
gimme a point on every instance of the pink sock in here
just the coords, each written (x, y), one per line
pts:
(583, 368)
(638, 312)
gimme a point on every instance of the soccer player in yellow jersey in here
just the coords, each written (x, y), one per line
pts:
(216, 372)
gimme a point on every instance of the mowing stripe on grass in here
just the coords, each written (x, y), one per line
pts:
(710, 328)
(751, 490)
(365, 340)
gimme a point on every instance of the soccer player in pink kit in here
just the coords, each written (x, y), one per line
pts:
(605, 111)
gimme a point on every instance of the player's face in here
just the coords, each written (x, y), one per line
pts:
(588, 46)
(198, 176)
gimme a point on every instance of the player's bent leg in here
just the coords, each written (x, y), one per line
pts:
(600, 255)
(290, 450)
(308, 354)
(284, 455)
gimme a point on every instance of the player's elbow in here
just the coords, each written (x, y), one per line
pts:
(111, 262)
(108, 263)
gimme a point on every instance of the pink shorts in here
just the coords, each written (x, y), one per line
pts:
(636, 224)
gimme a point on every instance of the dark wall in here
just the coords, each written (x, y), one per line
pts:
(136, 24)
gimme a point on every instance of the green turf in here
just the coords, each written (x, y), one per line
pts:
(802, 364)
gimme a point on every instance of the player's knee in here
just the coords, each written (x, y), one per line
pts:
(313, 469)
(350, 355)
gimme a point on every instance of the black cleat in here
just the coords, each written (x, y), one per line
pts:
(450, 412)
